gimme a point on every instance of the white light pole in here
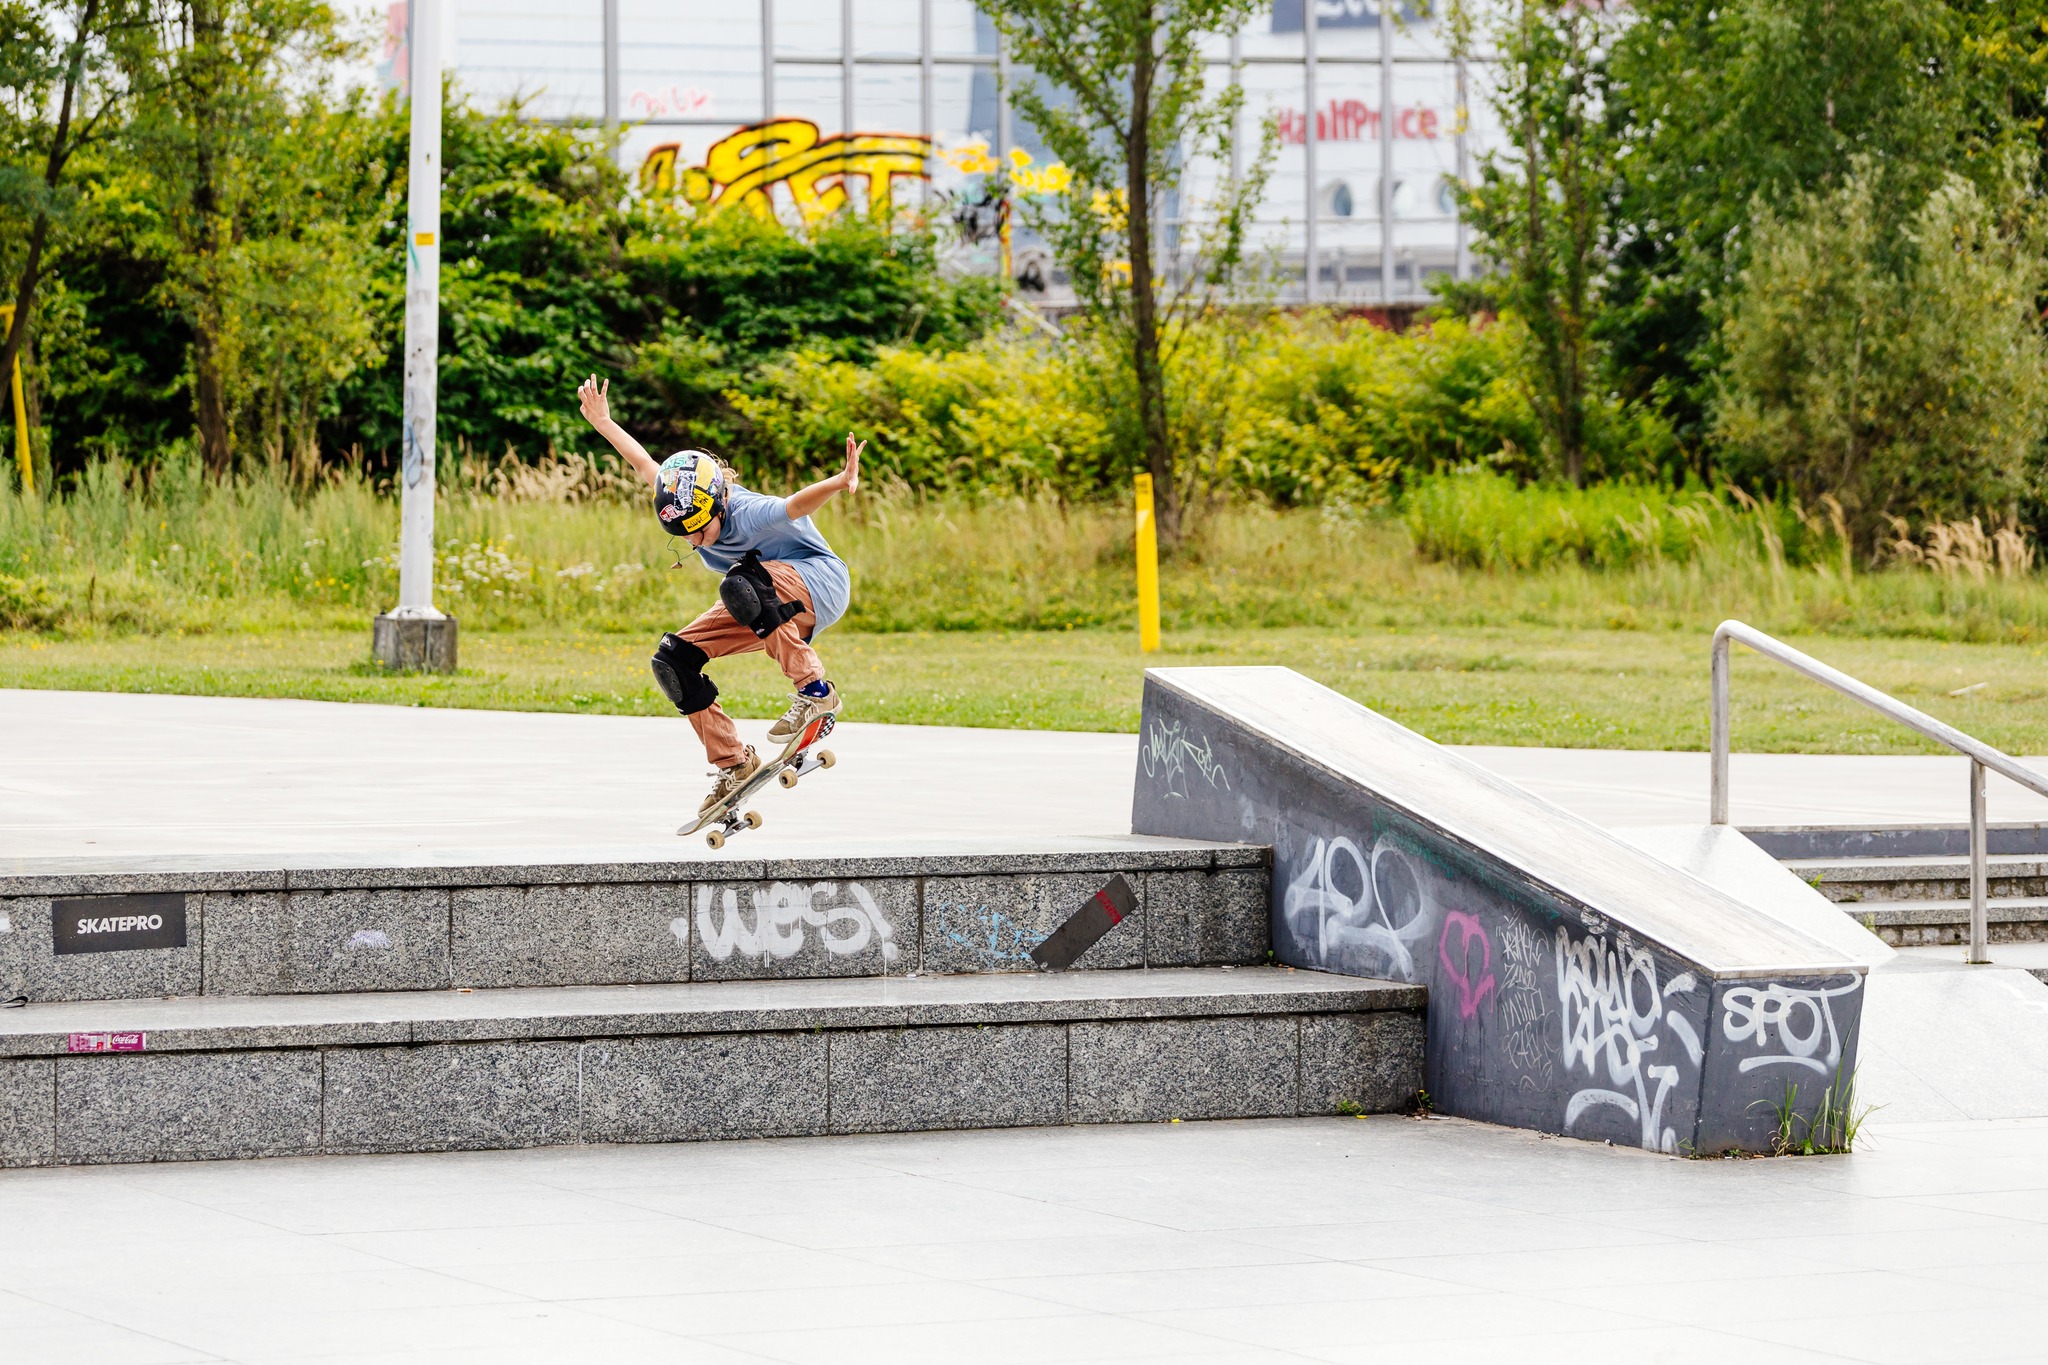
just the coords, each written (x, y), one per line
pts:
(413, 635)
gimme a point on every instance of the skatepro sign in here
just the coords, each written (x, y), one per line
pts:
(116, 924)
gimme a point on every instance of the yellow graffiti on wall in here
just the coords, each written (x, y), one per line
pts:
(743, 168)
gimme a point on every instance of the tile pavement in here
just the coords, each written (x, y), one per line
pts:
(1290, 1240)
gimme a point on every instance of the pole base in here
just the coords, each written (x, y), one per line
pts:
(413, 644)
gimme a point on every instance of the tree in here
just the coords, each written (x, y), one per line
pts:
(1898, 368)
(217, 135)
(1543, 211)
(1122, 101)
(59, 68)
(1726, 109)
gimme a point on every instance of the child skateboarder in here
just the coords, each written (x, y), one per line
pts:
(782, 585)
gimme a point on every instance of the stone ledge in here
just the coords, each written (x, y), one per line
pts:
(596, 866)
(270, 1022)
(183, 1106)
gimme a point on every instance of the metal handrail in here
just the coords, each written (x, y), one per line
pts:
(1980, 754)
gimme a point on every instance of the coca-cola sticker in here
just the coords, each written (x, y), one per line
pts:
(128, 1041)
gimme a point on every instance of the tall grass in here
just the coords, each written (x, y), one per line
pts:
(563, 547)
(1484, 519)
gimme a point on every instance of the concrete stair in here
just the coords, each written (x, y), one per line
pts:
(463, 1004)
(1910, 885)
(183, 1079)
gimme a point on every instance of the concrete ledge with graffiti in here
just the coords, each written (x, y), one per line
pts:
(1576, 984)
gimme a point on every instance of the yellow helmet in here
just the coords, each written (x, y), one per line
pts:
(689, 490)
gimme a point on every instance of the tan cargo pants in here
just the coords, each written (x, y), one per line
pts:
(718, 634)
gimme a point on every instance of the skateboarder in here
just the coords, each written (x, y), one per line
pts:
(782, 585)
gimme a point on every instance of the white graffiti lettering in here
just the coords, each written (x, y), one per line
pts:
(1374, 931)
(782, 915)
(1803, 1020)
(1523, 1012)
(1171, 754)
(1611, 1008)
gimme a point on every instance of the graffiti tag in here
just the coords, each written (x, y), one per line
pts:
(1474, 983)
(783, 916)
(1171, 753)
(812, 169)
(1803, 1021)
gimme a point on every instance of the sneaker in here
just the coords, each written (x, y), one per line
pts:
(802, 711)
(729, 781)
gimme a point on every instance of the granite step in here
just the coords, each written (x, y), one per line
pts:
(219, 1076)
(1856, 880)
(1926, 923)
(435, 924)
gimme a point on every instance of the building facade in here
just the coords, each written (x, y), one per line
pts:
(1378, 117)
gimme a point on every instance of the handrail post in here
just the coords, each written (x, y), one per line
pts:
(1717, 726)
(1980, 859)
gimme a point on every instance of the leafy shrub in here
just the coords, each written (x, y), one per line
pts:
(1899, 369)
(1291, 408)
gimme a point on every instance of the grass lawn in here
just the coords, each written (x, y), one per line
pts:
(1509, 684)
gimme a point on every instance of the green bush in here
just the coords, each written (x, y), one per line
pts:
(1896, 367)
(1291, 408)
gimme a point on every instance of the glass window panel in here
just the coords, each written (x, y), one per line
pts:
(1422, 30)
(1425, 166)
(885, 99)
(885, 28)
(548, 52)
(1483, 131)
(1425, 142)
(1271, 91)
(806, 28)
(959, 29)
(810, 92)
(702, 63)
(1344, 28)
(1276, 33)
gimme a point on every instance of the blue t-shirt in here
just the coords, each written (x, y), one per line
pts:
(755, 521)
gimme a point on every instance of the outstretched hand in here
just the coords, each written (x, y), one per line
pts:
(850, 476)
(595, 401)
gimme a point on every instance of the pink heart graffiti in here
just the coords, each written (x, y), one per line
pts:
(1471, 988)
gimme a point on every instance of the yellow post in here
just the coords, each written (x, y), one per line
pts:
(21, 453)
(1148, 569)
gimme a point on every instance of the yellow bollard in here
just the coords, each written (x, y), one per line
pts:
(1148, 569)
(21, 453)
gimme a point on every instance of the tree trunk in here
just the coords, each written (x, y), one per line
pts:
(209, 396)
(53, 171)
(1144, 303)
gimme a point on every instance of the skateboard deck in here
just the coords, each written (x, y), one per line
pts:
(801, 758)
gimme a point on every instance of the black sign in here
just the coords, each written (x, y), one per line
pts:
(117, 924)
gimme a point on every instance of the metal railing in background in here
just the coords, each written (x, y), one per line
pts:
(1980, 754)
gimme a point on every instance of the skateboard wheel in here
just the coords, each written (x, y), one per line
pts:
(787, 778)
(826, 758)
(753, 818)
(716, 838)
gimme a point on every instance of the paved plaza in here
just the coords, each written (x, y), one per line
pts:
(103, 775)
(1280, 1241)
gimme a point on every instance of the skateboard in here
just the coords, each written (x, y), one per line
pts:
(800, 759)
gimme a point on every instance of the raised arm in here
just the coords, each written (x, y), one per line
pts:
(805, 501)
(597, 410)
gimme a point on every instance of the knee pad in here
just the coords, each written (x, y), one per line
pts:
(749, 594)
(679, 671)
